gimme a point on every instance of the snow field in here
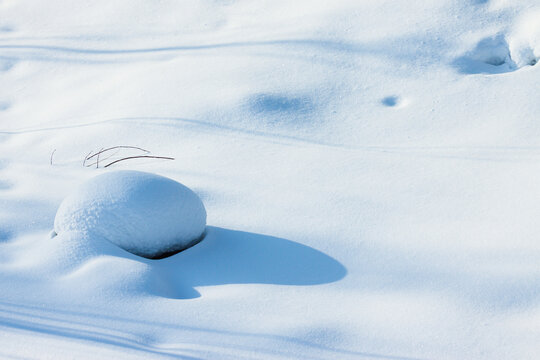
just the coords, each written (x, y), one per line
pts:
(369, 171)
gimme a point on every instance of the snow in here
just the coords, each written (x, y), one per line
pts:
(146, 214)
(370, 177)
(525, 39)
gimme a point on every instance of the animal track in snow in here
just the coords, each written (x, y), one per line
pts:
(394, 101)
(502, 53)
(491, 55)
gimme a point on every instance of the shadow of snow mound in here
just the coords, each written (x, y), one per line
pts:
(236, 257)
(81, 265)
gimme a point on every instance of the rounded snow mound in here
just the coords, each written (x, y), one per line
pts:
(146, 214)
(524, 40)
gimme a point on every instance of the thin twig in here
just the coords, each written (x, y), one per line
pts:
(139, 156)
(117, 147)
(52, 154)
(86, 158)
(105, 158)
(97, 159)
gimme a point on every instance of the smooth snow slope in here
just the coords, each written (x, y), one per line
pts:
(370, 171)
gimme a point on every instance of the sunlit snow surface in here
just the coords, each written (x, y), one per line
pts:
(370, 171)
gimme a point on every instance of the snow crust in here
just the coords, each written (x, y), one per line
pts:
(146, 214)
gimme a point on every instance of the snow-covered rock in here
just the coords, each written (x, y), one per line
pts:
(146, 214)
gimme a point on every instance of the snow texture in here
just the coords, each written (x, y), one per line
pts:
(146, 214)
(369, 169)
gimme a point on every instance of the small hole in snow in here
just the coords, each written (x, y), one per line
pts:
(390, 101)
(495, 61)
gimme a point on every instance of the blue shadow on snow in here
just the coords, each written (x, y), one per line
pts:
(272, 103)
(236, 257)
